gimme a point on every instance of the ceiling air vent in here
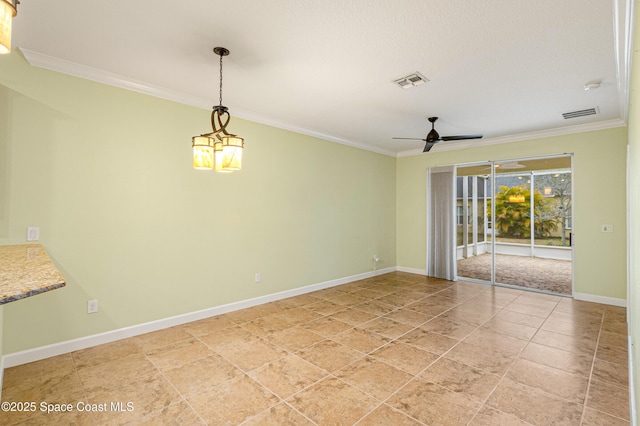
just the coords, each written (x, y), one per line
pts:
(411, 80)
(581, 113)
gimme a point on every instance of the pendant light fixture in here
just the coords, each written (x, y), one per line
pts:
(219, 150)
(8, 10)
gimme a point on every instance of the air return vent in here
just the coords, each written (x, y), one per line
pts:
(411, 80)
(581, 113)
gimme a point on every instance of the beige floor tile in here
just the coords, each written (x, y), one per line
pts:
(266, 325)
(518, 331)
(180, 353)
(116, 373)
(609, 399)
(361, 340)
(40, 418)
(104, 353)
(353, 316)
(575, 344)
(612, 354)
(433, 405)
(333, 402)
(481, 357)
(329, 355)
(619, 327)
(376, 307)
(387, 327)
(387, 416)
(251, 354)
(488, 416)
(157, 339)
(37, 374)
(145, 395)
(287, 375)
(348, 299)
(538, 311)
(519, 318)
(232, 402)
(227, 366)
(573, 328)
(469, 381)
(294, 338)
(612, 374)
(324, 307)
(593, 417)
(208, 325)
(572, 362)
(570, 386)
(196, 377)
(406, 357)
(490, 339)
(374, 377)
(177, 414)
(408, 316)
(608, 338)
(454, 329)
(248, 314)
(540, 408)
(297, 315)
(429, 341)
(468, 316)
(278, 415)
(327, 326)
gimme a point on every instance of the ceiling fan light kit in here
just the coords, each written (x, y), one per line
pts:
(434, 137)
(8, 11)
(218, 150)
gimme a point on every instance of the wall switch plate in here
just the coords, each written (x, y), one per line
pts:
(607, 228)
(92, 306)
(258, 277)
(33, 233)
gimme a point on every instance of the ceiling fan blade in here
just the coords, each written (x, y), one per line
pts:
(411, 139)
(428, 146)
(460, 137)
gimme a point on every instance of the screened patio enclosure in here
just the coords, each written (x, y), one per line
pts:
(514, 223)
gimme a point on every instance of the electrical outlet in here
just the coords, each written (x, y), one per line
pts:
(258, 277)
(92, 306)
(376, 258)
(607, 228)
(33, 233)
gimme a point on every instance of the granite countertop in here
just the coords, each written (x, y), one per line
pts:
(26, 270)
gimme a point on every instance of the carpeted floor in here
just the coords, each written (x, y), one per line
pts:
(530, 272)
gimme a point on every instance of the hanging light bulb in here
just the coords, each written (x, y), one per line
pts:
(8, 10)
(219, 150)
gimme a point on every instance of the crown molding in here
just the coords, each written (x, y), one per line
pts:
(558, 131)
(100, 76)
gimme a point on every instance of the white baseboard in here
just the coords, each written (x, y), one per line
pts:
(600, 299)
(632, 392)
(36, 354)
(411, 270)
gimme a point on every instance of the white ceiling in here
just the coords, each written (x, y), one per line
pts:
(325, 67)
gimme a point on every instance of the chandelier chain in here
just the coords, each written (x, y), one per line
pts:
(220, 80)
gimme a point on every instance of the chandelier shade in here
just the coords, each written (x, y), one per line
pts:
(7, 12)
(218, 150)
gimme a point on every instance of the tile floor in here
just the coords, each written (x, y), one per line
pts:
(397, 349)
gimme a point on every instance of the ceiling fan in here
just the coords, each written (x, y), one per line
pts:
(433, 137)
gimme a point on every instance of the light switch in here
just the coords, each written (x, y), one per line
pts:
(607, 228)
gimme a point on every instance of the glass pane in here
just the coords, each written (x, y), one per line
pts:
(472, 222)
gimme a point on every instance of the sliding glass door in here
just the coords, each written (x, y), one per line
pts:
(514, 223)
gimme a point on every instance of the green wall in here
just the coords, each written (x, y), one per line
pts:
(106, 174)
(599, 184)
